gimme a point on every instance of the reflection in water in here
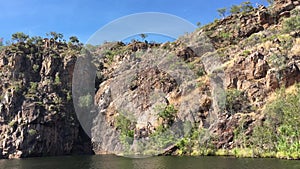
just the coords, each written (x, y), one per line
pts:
(114, 162)
(149, 163)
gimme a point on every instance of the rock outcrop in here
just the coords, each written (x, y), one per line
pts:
(145, 98)
(37, 115)
(236, 27)
(238, 61)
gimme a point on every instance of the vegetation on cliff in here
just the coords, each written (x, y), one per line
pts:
(36, 110)
(263, 108)
(258, 59)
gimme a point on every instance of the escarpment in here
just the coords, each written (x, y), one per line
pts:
(229, 88)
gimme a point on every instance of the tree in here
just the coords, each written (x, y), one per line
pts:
(199, 24)
(19, 37)
(271, 2)
(74, 40)
(222, 12)
(1, 41)
(143, 36)
(35, 40)
(235, 9)
(247, 6)
(55, 35)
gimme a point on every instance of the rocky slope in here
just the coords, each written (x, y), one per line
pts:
(229, 88)
(207, 93)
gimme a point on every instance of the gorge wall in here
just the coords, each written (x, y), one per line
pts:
(209, 92)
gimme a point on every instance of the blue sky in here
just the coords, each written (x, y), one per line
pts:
(82, 18)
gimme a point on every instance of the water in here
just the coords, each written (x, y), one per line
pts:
(114, 162)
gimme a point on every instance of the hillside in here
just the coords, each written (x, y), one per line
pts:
(229, 88)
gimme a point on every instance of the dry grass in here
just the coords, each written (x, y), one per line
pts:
(267, 45)
(273, 96)
(296, 48)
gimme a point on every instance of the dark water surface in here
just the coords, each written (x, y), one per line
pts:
(114, 162)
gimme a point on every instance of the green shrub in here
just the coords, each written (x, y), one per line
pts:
(32, 132)
(85, 101)
(57, 80)
(284, 113)
(225, 35)
(236, 101)
(200, 72)
(277, 61)
(279, 133)
(17, 86)
(58, 100)
(168, 113)
(69, 96)
(263, 139)
(202, 142)
(109, 55)
(12, 123)
(246, 53)
(291, 24)
(33, 87)
(123, 124)
(35, 67)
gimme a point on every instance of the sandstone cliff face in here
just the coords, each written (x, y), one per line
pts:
(237, 64)
(134, 91)
(234, 28)
(184, 97)
(37, 115)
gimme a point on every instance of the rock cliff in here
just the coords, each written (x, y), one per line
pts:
(214, 84)
(37, 115)
(214, 91)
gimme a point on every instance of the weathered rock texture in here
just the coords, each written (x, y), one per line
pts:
(37, 116)
(148, 96)
(243, 58)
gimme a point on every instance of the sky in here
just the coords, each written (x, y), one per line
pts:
(82, 18)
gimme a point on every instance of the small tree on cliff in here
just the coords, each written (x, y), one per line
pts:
(19, 37)
(198, 24)
(74, 40)
(271, 2)
(247, 6)
(235, 9)
(35, 40)
(222, 12)
(55, 36)
(143, 36)
(1, 42)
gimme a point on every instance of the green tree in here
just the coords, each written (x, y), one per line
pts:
(143, 36)
(55, 36)
(222, 12)
(291, 24)
(1, 43)
(74, 40)
(271, 2)
(235, 9)
(19, 37)
(246, 6)
(35, 40)
(282, 119)
(199, 24)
